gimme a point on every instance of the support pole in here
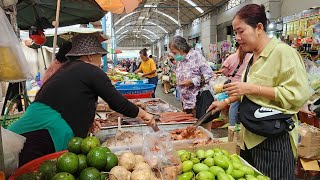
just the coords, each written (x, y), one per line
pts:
(104, 45)
(56, 25)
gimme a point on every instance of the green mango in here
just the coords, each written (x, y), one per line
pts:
(219, 161)
(260, 177)
(185, 156)
(193, 155)
(200, 167)
(251, 177)
(180, 152)
(215, 169)
(230, 168)
(200, 154)
(235, 158)
(236, 165)
(195, 160)
(226, 153)
(205, 175)
(209, 153)
(216, 150)
(230, 177)
(237, 174)
(186, 176)
(209, 162)
(187, 166)
(247, 170)
(222, 176)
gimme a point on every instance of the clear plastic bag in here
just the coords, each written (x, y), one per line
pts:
(159, 153)
(217, 83)
(12, 145)
(156, 147)
(13, 64)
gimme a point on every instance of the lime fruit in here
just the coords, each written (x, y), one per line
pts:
(68, 162)
(82, 163)
(90, 173)
(63, 176)
(74, 145)
(89, 143)
(97, 158)
(112, 161)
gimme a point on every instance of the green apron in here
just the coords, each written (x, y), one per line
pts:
(40, 116)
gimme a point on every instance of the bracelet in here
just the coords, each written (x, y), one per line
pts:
(259, 92)
(228, 101)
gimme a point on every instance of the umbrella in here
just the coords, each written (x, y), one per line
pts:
(118, 6)
(31, 12)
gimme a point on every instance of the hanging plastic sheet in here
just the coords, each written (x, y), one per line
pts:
(13, 64)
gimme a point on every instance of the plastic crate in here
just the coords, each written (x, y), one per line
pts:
(34, 165)
(135, 88)
(138, 96)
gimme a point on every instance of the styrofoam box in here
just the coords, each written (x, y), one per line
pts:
(104, 134)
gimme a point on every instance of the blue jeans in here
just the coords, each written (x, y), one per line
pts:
(154, 81)
(233, 113)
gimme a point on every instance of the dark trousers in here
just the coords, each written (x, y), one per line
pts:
(154, 81)
(273, 157)
(38, 143)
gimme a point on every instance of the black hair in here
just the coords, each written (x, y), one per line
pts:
(150, 56)
(63, 50)
(252, 14)
(144, 52)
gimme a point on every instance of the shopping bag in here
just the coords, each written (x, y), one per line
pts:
(204, 100)
(12, 145)
(13, 64)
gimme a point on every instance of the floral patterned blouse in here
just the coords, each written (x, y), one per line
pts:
(192, 68)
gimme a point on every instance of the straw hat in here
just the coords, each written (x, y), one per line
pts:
(86, 44)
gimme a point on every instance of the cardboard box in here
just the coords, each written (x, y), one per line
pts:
(231, 147)
(309, 146)
(233, 136)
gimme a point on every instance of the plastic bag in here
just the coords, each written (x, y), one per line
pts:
(156, 147)
(13, 64)
(217, 83)
(12, 145)
(159, 153)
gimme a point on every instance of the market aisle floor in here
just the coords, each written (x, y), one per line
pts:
(169, 98)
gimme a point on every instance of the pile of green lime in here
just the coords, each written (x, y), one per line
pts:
(85, 160)
(215, 164)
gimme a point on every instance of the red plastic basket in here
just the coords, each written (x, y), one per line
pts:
(34, 164)
(138, 96)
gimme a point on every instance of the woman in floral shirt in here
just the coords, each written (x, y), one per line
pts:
(191, 67)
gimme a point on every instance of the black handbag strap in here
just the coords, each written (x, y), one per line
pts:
(247, 70)
(237, 68)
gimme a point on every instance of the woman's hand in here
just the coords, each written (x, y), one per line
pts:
(217, 106)
(149, 119)
(239, 88)
(186, 83)
(95, 127)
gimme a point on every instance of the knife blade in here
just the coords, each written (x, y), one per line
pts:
(155, 127)
(203, 118)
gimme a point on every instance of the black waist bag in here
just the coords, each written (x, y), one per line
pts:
(263, 121)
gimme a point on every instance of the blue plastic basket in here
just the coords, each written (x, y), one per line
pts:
(121, 83)
(135, 88)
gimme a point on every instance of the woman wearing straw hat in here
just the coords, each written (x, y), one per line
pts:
(65, 105)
